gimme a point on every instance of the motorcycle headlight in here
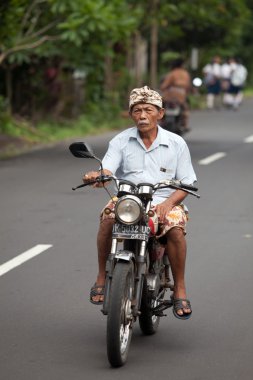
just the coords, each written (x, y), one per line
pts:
(128, 209)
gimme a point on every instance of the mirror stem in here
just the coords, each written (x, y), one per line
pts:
(101, 166)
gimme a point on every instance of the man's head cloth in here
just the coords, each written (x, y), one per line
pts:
(145, 95)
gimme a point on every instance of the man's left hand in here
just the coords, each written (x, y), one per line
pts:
(162, 209)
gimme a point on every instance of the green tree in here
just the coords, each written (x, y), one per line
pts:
(81, 32)
(97, 36)
(213, 26)
(174, 27)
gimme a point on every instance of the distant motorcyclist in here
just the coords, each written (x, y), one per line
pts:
(175, 87)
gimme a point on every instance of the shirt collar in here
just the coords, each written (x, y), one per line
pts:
(161, 138)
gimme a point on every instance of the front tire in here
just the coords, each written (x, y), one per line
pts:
(120, 317)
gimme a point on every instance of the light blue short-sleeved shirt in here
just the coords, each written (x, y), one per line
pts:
(167, 158)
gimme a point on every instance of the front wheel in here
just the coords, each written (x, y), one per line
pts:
(120, 316)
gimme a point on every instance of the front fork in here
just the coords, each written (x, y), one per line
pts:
(139, 278)
(140, 265)
(110, 263)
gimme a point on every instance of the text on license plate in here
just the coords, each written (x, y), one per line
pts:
(120, 228)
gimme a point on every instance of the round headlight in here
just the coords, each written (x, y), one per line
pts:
(128, 209)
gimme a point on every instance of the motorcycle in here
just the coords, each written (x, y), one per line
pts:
(137, 270)
(173, 117)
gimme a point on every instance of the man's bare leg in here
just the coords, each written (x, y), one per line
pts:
(104, 242)
(176, 248)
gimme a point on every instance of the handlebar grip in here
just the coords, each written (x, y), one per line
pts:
(83, 185)
(97, 180)
(188, 187)
(103, 179)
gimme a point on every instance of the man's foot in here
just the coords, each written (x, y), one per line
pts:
(181, 308)
(97, 294)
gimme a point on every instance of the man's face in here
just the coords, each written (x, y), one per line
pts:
(146, 116)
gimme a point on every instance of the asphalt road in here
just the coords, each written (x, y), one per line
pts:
(48, 328)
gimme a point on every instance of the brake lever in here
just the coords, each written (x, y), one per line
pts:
(82, 185)
(186, 190)
(101, 178)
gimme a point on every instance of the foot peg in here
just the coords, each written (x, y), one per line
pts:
(158, 310)
(160, 314)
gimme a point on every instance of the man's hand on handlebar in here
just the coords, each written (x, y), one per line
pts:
(92, 176)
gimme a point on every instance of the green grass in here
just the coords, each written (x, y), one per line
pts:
(83, 126)
(248, 91)
(197, 101)
(20, 135)
(50, 131)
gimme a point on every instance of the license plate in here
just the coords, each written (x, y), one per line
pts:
(131, 232)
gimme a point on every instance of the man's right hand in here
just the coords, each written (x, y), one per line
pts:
(91, 176)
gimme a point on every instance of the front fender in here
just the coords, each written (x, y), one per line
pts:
(124, 255)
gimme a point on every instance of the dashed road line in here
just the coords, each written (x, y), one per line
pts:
(23, 257)
(248, 139)
(214, 157)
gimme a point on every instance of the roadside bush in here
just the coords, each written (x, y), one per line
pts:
(6, 124)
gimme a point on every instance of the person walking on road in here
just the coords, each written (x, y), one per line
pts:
(225, 82)
(212, 80)
(237, 82)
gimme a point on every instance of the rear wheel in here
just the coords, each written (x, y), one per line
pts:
(148, 321)
(120, 316)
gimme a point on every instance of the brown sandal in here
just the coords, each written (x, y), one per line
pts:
(97, 290)
(178, 305)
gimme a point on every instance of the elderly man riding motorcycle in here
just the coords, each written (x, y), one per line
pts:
(148, 153)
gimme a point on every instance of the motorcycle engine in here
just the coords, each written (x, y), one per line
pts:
(153, 283)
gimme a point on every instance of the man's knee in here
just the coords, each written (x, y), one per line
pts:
(106, 225)
(175, 234)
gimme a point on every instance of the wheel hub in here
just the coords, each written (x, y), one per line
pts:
(125, 325)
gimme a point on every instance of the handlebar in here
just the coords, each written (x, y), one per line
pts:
(173, 184)
(99, 179)
(159, 185)
(177, 185)
(189, 187)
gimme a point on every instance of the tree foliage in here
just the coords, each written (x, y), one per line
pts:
(213, 26)
(91, 35)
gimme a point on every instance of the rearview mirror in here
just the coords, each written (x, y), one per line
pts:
(81, 150)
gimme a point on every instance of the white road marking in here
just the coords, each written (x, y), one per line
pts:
(23, 257)
(249, 139)
(214, 157)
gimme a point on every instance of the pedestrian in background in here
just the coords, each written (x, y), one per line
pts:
(212, 80)
(225, 82)
(237, 82)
